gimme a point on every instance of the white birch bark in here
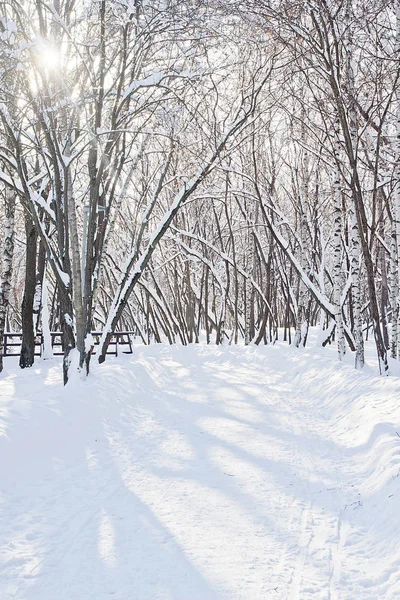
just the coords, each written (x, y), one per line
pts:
(76, 265)
(356, 288)
(6, 267)
(337, 247)
(356, 249)
(248, 287)
(302, 324)
(47, 349)
(395, 250)
(394, 293)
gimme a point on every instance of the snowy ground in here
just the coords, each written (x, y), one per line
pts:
(201, 473)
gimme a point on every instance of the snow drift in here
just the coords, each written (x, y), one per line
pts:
(201, 472)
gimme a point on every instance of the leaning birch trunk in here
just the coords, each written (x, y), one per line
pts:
(136, 265)
(337, 248)
(99, 273)
(6, 268)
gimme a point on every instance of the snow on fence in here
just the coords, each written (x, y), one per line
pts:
(13, 341)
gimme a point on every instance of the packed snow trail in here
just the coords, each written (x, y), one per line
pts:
(201, 473)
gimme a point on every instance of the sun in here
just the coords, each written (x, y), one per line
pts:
(47, 55)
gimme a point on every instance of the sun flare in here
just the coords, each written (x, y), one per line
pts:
(47, 55)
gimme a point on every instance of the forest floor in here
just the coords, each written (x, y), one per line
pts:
(201, 473)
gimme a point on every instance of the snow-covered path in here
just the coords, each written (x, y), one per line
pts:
(201, 473)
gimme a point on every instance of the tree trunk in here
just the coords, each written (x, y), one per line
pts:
(6, 268)
(28, 333)
(37, 303)
(356, 291)
(302, 323)
(337, 250)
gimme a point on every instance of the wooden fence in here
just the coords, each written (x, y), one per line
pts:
(121, 341)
